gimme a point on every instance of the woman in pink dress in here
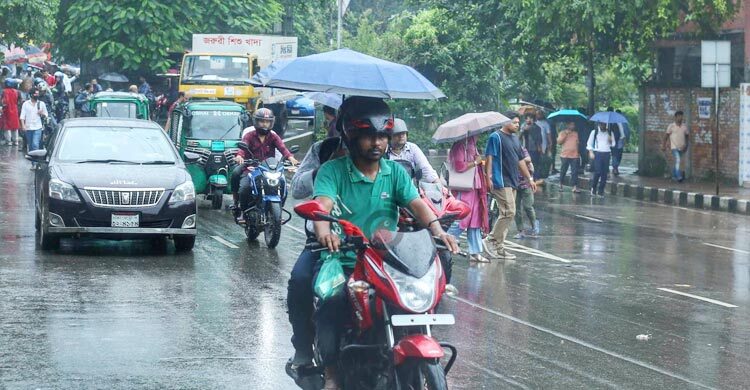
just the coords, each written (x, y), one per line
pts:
(10, 122)
(463, 156)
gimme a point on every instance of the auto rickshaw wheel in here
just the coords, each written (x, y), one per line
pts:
(217, 198)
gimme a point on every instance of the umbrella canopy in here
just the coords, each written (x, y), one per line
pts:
(608, 117)
(348, 72)
(113, 77)
(34, 55)
(566, 115)
(327, 99)
(14, 55)
(468, 125)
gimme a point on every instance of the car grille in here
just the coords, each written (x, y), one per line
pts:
(125, 197)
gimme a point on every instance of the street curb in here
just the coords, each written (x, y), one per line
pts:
(673, 197)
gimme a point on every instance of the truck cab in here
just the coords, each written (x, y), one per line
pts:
(223, 76)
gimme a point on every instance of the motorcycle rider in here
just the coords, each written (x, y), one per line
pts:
(263, 143)
(367, 190)
(401, 149)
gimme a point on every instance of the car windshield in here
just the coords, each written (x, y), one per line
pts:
(215, 125)
(116, 110)
(116, 145)
(412, 252)
(220, 68)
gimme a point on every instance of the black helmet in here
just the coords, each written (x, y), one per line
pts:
(263, 114)
(364, 116)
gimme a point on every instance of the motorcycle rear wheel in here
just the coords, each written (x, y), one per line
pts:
(272, 230)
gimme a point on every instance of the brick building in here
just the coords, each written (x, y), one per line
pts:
(676, 87)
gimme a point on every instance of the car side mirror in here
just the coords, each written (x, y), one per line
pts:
(294, 148)
(192, 158)
(39, 155)
(314, 211)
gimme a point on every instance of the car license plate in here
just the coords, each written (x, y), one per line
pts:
(125, 220)
(295, 112)
(422, 319)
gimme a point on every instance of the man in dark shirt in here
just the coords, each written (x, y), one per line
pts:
(503, 169)
(532, 139)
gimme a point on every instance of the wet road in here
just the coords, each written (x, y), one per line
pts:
(565, 314)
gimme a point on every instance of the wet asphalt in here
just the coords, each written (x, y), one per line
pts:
(565, 314)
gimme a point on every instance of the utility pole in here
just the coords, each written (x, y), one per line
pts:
(339, 8)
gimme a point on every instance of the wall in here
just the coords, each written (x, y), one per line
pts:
(658, 107)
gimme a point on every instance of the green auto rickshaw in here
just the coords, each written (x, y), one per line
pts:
(211, 129)
(119, 105)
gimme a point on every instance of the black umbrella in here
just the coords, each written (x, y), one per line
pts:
(113, 77)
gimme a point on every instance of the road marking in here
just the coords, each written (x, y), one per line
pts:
(588, 218)
(225, 242)
(709, 300)
(496, 374)
(727, 248)
(510, 245)
(298, 230)
(581, 343)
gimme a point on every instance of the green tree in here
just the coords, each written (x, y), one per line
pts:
(139, 34)
(25, 22)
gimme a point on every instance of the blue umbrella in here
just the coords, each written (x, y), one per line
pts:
(608, 117)
(327, 99)
(566, 115)
(347, 72)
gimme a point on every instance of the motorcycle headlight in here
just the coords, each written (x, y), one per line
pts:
(59, 189)
(417, 294)
(183, 193)
(272, 178)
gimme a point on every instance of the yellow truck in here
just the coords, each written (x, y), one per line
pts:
(224, 76)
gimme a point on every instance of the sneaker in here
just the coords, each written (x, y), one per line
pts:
(576, 190)
(14, 143)
(489, 248)
(592, 192)
(478, 258)
(535, 227)
(561, 188)
(519, 236)
(505, 255)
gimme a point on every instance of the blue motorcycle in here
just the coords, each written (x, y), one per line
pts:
(268, 194)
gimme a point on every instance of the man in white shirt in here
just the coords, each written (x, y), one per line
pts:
(32, 113)
(677, 138)
(400, 149)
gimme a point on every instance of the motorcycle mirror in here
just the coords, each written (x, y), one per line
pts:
(459, 208)
(243, 146)
(191, 157)
(294, 148)
(314, 211)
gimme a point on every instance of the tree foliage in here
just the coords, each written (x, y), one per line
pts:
(139, 34)
(23, 22)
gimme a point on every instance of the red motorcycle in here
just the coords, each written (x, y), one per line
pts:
(396, 284)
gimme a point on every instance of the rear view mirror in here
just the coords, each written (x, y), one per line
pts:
(243, 146)
(294, 148)
(313, 210)
(192, 158)
(37, 155)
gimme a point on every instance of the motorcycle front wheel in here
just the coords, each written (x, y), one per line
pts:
(431, 376)
(272, 230)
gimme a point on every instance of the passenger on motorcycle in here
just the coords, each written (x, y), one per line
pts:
(263, 143)
(367, 190)
(401, 149)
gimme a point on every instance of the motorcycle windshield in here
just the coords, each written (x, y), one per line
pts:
(410, 252)
(271, 163)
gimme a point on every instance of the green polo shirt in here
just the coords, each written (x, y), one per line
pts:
(369, 204)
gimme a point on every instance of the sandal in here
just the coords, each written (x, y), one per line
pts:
(478, 258)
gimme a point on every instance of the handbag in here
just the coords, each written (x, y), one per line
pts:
(461, 181)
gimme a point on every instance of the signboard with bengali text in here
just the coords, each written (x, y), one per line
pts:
(268, 48)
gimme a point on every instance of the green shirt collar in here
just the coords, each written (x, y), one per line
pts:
(355, 175)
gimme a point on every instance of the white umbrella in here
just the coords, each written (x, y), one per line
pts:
(469, 125)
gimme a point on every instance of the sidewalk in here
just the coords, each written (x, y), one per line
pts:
(700, 195)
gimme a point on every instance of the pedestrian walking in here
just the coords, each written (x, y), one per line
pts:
(464, 156)
(599, 146)
(96, 86)
(545, 160)
(33, 114)
(504, 161)
(677, 138)
(532, 139)
(525, 202)
(10, 120)
(569, 155)
(329, 113)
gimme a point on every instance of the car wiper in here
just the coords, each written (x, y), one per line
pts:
(158, 162)
(107, 161)
(228, 130)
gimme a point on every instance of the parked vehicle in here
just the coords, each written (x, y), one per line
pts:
(212, 130)
(393, 292)
(112, 178)
(119, 105)
(268, 193)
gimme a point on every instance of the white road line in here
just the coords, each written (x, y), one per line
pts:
(709, 300)
(589, 218)
(582, 343)
(727, 248)
(296, 229)
(496, 374)
(225, 242)
(510, 245)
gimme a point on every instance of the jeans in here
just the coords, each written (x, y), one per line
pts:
(573, 164)
(473, 237)
(245, 191)
(535, 159)
(616, 157)
(676, 171)
(525, 201)
(299, 300)
(506, 204)
(601, 171)
(235, 177)
(33, 139)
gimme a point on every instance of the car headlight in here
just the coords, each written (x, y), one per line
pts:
(272, 178)
(183, 193)
(59, 189)
(417, 294)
